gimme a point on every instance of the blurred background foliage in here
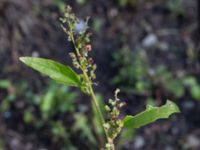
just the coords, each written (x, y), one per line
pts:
(149, 49)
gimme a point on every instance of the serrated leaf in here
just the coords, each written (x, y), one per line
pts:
(56, 71)
(150, 115)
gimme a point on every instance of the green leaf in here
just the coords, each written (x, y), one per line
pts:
(58, 129)
(195, 92)
(58, 72)
(81, 123)
(190, 81)
(126, 135)
(175, 87)
(47, 103)
(28, 117)
(150, 115)
(4, 84)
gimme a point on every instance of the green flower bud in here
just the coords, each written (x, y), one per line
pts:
(107, 108)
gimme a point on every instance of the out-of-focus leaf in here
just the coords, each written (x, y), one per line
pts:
(151, 101)
(81, 2)
(58, 72)
(65, 99)
(60, 4)
(28, 117)
(124, 3)
(4, 84)
(176, 87)
(97, 24)
(195, 92)
(126, 135)
(190, 81)
(150, 115)
(47, 103)
(176, 7)
(81, 124)
(69, 147)
(58, 129)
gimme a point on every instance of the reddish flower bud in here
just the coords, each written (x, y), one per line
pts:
(87, 48)
(90, 61)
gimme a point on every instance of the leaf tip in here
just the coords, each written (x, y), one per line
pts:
(173, 106)
(22, 59)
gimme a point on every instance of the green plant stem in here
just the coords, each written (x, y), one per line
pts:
(91, 91)
(109, 140)
(95, 103)
(92, 94)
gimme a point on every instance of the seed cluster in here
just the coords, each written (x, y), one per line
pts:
(114, 123)
(81, 41)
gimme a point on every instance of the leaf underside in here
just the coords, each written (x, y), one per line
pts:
(150, 115)
(56, 71)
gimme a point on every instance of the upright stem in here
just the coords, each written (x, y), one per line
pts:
(91, 92)
(109, 140)
(96, 103)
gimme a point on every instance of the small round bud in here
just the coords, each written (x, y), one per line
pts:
(110, 101)
(122, 104)
(106, 126)
(93, 76)
(90, 61)
(87, 48)
(72, 55)
(94, 67)
(68, 8)
(76, 65)
(108, 146)
(107, 108)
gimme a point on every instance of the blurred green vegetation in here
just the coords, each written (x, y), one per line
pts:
(60, 4)
(136, 76)
(50, 105)
(47, 108)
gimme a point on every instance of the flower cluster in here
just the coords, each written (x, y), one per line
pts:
(81, 40)
(114, 124)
